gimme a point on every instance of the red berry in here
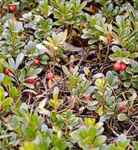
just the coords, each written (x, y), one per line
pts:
(123, 67)
(30, 80)
(119, 66)
(36, 61)
(50, 76)
(12, 8)
(122, 106)
(8, 72)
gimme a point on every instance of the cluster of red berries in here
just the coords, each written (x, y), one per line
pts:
(29, 80)
(119, 66)
(32, 80)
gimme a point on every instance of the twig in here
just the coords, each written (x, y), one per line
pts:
(107, 53)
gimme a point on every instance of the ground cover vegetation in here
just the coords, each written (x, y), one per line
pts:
(68, 75)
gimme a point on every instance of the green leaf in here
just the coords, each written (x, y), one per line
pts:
(34, 71)
(55, 93)
(44, 8)
(19, 59)
(125, 75)
(99, 140)
(121, 54)
(13, 92)
(134, 81)
(136, 145)
(22, 74)
(90, 90)
(1, 94)
(99, 28)
(6, 81)
(65, 70)
(58, 143)
(134, 69)
(44, 59)
(29, 133)
(112, 79)
(12, 63)
(7, 103)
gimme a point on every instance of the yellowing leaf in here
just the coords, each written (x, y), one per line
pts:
(54, 103)
(60, 37)
(100, 84)
(100, 111)
(86, 70)
(28, 146)
(89, 122)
